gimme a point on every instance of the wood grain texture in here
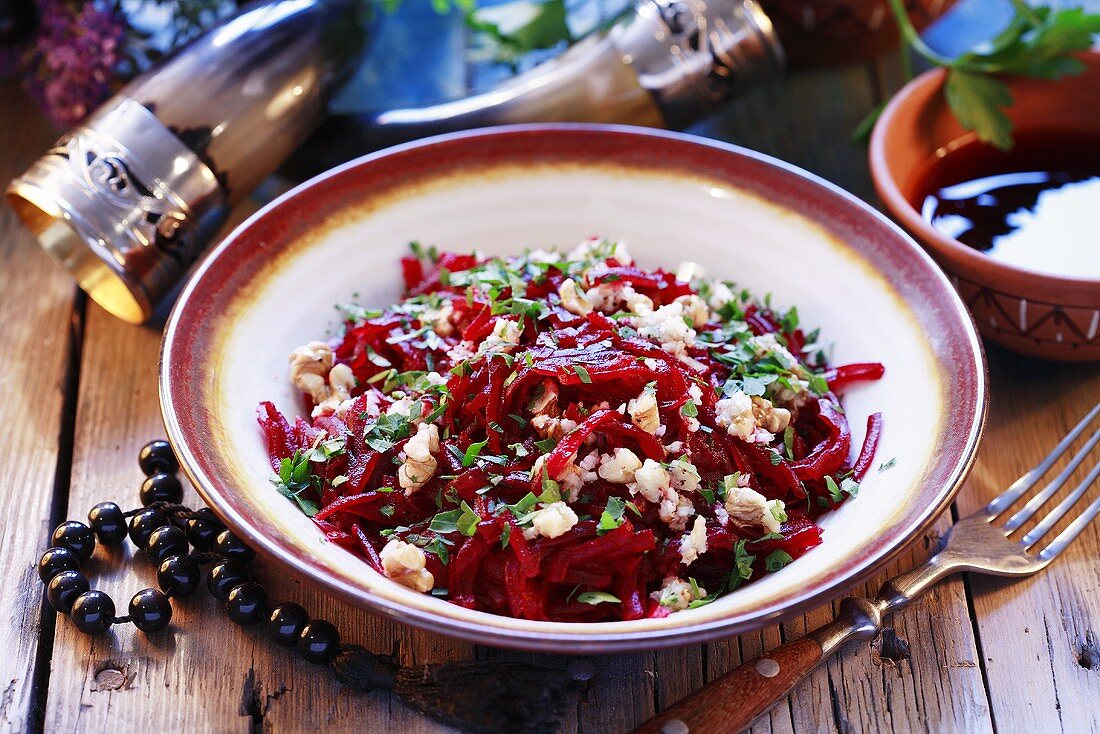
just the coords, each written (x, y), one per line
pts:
(202, 674)
(37, 332)
(1028, 660)
(1040, 636)
(734, 700)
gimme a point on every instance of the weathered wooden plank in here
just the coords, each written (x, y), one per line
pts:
(859, 690)
(1040, 637)
(202, 673)
(38, 328)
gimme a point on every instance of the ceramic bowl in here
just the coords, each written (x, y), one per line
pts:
(271, 286)
(1035, 313)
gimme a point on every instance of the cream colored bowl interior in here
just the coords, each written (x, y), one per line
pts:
(733, 234)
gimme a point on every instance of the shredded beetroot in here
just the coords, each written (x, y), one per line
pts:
(870, 446)
(838, 377)
(568, 438)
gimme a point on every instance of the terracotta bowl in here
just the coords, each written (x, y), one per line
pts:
(271, 286)
(1035, 313)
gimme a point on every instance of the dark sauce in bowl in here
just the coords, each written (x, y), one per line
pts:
(1036, 206)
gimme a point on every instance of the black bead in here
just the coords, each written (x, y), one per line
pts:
(93, 612)
(246, 604)
(232, 547)
(76, 536)
(144, 523)
(203, 528)
(108, 522)
(318, 641)
(286, 623)
(158, 457)
(165, 541)
(56, 560)
(179, 576)
(64, 588)
(150, 610)
(161, 488)
(223, 576)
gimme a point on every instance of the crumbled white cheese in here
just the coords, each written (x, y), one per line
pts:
(544, 257)
(747, 506)
(694, 544)
(644, 411)
(619, 466)
(675, 509)
(405, 407)
(503, 338)
(766, 345)
(434, 378)
(590, 461)
(419, 465)
(404, 563)
(462, 351)
(735, 415)
(597, 247)
(573, 299)
(676, 594)
(667, 327)
(720, 295)
(609, 298)
(696, 396)
(439, 319)
(689, 271)
(551, 521)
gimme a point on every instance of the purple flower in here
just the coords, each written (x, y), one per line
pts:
(72, 67)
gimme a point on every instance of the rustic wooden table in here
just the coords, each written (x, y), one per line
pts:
(79, 399)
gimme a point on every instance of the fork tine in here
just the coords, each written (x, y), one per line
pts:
(1070, 534)
(1058, 512)
(1025, 513)
(1031, 478)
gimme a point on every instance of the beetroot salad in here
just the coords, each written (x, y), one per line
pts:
(569, 437)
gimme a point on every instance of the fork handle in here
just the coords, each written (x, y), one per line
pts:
(732, 702)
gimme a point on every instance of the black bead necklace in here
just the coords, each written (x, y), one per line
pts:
(166, 530)
(474, 696)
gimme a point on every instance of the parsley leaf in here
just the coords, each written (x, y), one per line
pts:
(596, 597)
(743, 561)
(472, 452)
(294, 478)
(777, 560)
(612, 516)
(979, 102)
(1038, 42)
(583, 374)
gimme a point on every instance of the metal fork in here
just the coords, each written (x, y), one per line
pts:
(981, 542)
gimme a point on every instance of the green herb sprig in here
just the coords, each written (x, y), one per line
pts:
(1039, 42)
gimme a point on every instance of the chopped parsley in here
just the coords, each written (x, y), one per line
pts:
(776, 560)
(294, 479)
(612, 516)
(597, 597)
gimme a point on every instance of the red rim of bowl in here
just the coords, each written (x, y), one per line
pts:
(181, 394)
(899, 206)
